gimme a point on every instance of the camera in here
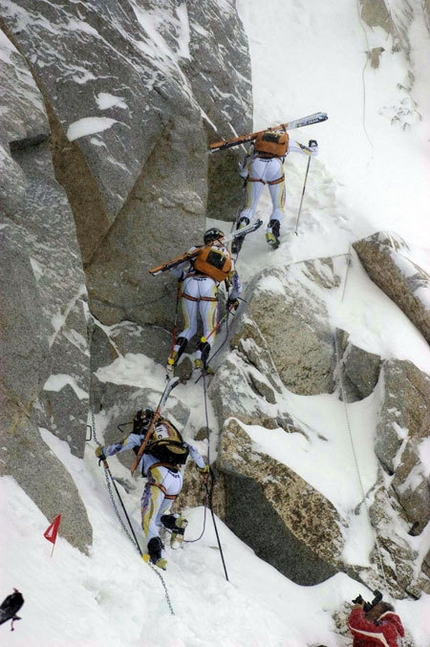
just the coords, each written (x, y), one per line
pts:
(369, 605)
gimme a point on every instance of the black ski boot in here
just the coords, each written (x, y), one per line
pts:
(237, 242)
(202, 362)
(155, 546)
(273, 233)
(176, 353)
(177, 524)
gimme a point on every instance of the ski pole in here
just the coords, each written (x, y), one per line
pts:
(216, 327)
(218, 324)
(303, 193)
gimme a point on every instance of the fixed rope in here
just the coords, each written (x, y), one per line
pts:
(358, 7)
(210, 491)
(350, 434)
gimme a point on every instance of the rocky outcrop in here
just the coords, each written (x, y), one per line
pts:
(376, 14)
(249, 389)
(289, 524)
(301, 342)
(26, 457)
(45, 360)
(385, 259)
(357, 370)
(402, 429)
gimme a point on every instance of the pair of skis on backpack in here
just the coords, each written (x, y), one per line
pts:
(188, 256)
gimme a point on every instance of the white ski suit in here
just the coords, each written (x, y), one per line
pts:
(260, 171)
(199, 296)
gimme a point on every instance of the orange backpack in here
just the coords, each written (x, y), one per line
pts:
(272, 143)
(214, 262)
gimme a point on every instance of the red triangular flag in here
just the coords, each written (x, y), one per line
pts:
(51, 532)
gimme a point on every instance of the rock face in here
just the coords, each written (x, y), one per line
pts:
(301, 343)
(293, 527)
(358, 369)
(45, 362)
(249, 390)
(385, 259)
(130, 118)
(103, 173)
(402, 429)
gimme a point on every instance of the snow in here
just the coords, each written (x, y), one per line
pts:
(371, 175)
(105, 100)
(88, 126)
(59, 381)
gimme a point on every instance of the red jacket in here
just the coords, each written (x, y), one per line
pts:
(383, 633)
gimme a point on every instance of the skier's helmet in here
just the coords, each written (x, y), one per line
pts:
(142, 419)
(212, 234)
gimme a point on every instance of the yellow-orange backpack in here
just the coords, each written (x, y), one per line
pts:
(214, 262)
(271, 143)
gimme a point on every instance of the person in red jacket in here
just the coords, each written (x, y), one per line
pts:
(378, 627)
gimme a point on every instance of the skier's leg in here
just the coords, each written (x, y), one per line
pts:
(152, 499)
(174, 522)
(254, 189)
(208, 308)
(162, 487)
(276, 183)
(189, 305)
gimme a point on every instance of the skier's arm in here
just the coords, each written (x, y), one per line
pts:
(296, 147)
(244, 165)
(236, 286)
(132, 440)
(197, 457)
(180, 271)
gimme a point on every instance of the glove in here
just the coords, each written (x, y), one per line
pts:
(232, 304)
(203, 470)
(100, 454)
(313, 144)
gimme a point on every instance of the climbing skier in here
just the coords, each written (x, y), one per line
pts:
(264, 164)
(160, 463)
(200, 279)
(379, 626)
